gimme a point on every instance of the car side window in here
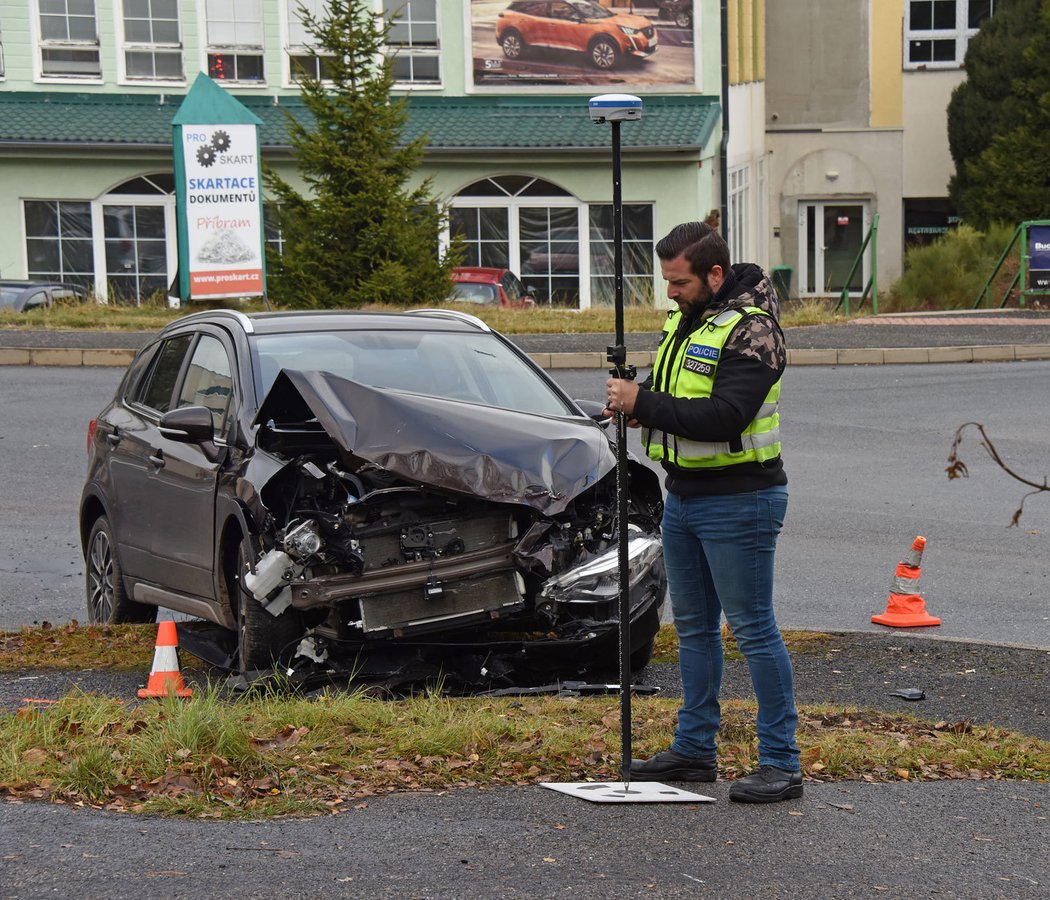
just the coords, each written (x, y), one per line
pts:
(157, 389)
(37, 300)
(208, 382)
(513, 287)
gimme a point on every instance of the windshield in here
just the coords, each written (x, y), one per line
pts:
(473, 367)
(8, 296)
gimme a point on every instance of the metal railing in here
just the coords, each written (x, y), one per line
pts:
(872, 286)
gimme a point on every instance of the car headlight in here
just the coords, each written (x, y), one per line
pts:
(626, 29)
(597, 579)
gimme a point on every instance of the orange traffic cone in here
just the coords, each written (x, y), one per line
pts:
(165, 677)
(905, 607)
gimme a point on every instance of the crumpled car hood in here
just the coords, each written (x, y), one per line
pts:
(497, 454)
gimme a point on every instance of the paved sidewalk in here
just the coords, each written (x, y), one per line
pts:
(953, 336)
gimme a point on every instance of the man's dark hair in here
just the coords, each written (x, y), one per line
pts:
(710, 251)
(698, 243)
(680, 237)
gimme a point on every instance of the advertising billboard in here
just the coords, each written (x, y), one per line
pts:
(1039, 258)
(223, 210)
(590, 43)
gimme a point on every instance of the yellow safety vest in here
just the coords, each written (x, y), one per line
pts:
(691, 373)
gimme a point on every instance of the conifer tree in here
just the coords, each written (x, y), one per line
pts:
(991, 103)
(360, 234)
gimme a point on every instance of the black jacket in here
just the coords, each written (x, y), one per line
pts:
(752, 360)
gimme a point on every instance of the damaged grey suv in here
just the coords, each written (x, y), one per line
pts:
(324, 484)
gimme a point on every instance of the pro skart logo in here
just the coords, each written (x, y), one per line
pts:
(700, 351)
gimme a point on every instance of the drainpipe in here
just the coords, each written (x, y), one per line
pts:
(723, 159)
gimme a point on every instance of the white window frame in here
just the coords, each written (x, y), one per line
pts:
(739, 213)
(761, 214)
(127, 46)
(41, 45)
(960, 33)
(410, 52)
(513, 205)
(3, 69)
(234, 49)
(290, 46)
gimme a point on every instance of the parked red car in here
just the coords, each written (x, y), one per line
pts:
(490, 287)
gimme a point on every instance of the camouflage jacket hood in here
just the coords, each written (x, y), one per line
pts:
(747, 285)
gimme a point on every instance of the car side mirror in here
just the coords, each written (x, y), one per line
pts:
(593, 408)
(188, 425)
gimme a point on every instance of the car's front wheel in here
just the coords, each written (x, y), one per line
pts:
(263, 639)
(513, 44)
(107, 600)
(683, 18)
(604, 53)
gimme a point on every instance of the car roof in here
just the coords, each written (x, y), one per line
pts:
(477, 274)
(19, 283)
(336, 320)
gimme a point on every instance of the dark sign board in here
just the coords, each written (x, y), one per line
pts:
(1039, 258)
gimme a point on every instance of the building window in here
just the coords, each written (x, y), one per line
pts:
(58, 241)
(69, 46)
(272, 234)
(303, 58)
(412, 40)
(637, 255)
(936, 32)
(235, 40)
(1, 54)
(739, 221)
(152, 43)
(136, 252)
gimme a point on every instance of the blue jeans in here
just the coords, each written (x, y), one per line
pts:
(718, 551)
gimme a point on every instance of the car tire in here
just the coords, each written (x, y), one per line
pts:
(512, 44)
(263, 640)
(641, 657)
(604, 53)
(683, 19)
(107, 598)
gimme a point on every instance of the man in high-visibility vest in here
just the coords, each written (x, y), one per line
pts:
(709, 413)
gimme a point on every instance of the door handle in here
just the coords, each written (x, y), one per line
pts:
(157, 459)
(113, 438)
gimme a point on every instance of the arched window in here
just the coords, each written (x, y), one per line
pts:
(560, 246)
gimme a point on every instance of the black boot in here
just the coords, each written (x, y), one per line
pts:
(673, 766)
(768, 785)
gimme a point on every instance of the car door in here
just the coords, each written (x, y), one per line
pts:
(184, 477)
(131, 434)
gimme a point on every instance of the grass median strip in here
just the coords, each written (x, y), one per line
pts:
(541, 320)
(271, 754)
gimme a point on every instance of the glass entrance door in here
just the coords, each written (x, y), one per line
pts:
(830, 236)
(136, 251)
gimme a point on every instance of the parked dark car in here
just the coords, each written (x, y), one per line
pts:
(22, 296)
(678, 11)
(488, 286)
(319, 483)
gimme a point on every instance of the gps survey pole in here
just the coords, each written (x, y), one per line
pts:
(617, 108)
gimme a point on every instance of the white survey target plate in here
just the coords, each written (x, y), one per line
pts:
(618, 792)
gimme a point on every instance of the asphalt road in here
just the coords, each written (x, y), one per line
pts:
(865, 449)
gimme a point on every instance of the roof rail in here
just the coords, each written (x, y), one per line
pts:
(245, 322)
(452, 314)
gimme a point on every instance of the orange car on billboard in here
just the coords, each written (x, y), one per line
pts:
(579, 25)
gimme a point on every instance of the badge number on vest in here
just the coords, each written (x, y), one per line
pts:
(701, 368)
(695, 355)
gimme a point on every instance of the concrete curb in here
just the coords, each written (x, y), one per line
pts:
(866, 356)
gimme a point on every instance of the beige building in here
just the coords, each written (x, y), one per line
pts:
(856, 124)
